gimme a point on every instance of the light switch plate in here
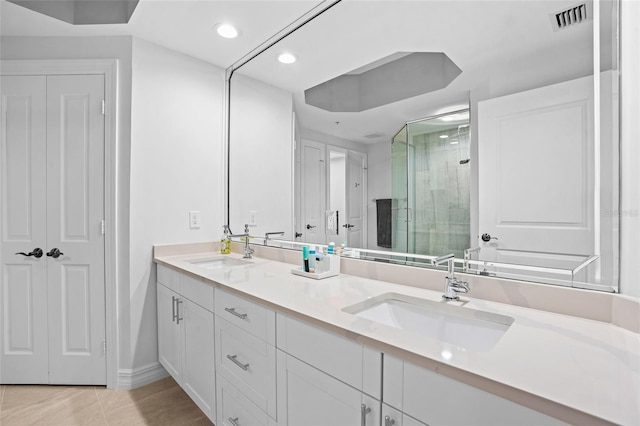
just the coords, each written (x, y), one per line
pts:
(253, 219)
(194, 219)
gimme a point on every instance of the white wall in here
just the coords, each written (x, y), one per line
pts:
(176, 166)
(379, 185)
(261, 157)
(630, 149)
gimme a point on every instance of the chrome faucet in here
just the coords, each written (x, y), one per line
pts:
(248, 251)
(452, 286)
(266, 235)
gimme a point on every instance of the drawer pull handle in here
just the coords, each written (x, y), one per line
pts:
(364, 410)
(234, 359)
(234, 422)
(388, 421)
(232, 311)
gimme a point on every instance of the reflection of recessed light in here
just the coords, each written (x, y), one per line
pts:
(227, 31)
(287, 58)
(444, 136)
(453, 143)
(446, 354)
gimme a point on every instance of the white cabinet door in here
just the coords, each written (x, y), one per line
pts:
(309, 397)
(169, 333)
(198, 375)
(435, 399)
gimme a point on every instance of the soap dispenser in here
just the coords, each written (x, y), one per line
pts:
(225, 241)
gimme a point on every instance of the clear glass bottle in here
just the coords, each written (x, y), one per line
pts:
(225, 241)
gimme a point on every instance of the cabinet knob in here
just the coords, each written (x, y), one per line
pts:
(388, 421)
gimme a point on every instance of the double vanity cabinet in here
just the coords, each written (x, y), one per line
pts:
(246, 363)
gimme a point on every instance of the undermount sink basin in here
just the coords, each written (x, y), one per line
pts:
(219, 262)
(464, 327)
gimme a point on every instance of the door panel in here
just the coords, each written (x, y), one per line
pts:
(535, 185)
(75, 176)
(356, 193)
(313, 196)
(52, 177)
(24, 357)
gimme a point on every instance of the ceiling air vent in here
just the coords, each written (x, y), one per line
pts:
(569, 17)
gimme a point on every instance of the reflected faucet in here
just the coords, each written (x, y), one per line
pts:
(266, 235)
(452, 286)
(248, 251)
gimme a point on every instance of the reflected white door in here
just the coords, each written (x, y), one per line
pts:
(356, 190)
(536, 185)
(313, 194)
(53, 197)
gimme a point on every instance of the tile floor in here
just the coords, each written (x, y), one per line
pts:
(159, 403)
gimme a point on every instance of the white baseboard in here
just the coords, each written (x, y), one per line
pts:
(134, 378)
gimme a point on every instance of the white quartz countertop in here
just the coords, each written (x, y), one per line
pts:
(555, 363)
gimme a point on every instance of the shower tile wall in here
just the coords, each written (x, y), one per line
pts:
(441, 195)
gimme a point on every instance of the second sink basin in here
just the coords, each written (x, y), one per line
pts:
(464, 327)
(219, 262)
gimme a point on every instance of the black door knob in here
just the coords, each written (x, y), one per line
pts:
(55, 253)
(348, 226)
(310, 226)
(486, 238)
(36, 252)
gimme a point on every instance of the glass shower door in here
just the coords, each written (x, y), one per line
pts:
(431, 186)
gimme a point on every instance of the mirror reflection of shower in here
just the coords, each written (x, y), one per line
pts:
(430, 205)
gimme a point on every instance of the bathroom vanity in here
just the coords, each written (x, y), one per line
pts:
(254, 344)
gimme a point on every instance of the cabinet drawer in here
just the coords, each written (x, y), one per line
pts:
(338, 356)
(167, 277)
(247, 362)
(234, 409)
(247, 315)
(197, 291)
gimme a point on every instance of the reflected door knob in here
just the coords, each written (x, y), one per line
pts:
(36, 252)
(55, 253)
(348, 226)
(310, 226)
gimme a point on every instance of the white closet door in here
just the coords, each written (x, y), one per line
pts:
(75, 198)
(24, 357)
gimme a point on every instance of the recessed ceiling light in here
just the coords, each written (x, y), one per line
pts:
(227, 31)
(444, 136)
(287, 58)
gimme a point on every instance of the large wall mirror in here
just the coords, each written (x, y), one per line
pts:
(477, 128)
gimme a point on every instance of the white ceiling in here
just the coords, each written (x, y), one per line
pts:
(182, 25)
(500, 45)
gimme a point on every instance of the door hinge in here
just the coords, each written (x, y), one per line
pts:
(104, 346)
(102, 227)
(103, 107)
